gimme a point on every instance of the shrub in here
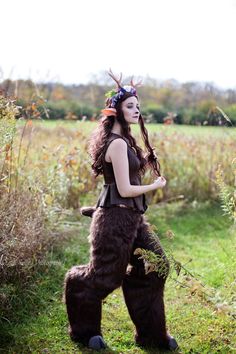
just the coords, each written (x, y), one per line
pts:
(23, 237)
(156, 113)
(231, 112)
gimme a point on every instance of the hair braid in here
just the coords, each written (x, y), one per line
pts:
(151, 158)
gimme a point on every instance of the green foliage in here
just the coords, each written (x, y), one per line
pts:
(60, 109)
(110, 93)
(231, 112)
(153, 262)
(227, 193)
(34, 108)
(154, 112)
(195, 117)
(8, 113)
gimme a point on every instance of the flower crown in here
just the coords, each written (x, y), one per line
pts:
(115, 95)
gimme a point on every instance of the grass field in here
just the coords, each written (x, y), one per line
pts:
(202, 318)
(46, 176)
(201, 309)
(190, 157)
(88, 126)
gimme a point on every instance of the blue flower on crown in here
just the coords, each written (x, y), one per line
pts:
(121, 91)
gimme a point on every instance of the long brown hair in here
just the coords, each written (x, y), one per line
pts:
(99, 138)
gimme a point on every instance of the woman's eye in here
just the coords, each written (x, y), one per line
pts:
(132, 107)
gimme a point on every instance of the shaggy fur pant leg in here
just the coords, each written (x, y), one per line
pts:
(82, 303)
(112, 234)
(143, 293)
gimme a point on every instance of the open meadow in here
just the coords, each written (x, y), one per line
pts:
(46, 177)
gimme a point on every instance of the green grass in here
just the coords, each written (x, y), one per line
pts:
(88, 127)
(201, 320)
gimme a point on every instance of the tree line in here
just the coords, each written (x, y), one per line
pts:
(194, 103)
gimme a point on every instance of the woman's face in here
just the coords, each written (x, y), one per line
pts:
(130, 108)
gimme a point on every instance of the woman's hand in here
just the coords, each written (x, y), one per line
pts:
(160, 182)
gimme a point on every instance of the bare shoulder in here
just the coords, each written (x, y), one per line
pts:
(118, 143)
(116, 148)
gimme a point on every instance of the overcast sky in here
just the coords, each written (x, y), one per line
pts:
(70, 41)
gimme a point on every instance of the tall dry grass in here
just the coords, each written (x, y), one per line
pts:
(190, 163)
(62, 166)
(48, 172)
(23, 237)
(23, 233)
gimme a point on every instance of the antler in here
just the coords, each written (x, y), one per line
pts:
(138, 84)
(118, 81)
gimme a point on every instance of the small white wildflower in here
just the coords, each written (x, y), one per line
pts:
(128, 88)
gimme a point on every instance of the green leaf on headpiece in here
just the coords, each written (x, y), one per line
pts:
(110, 93)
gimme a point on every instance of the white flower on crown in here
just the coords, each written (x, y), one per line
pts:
(128, 88)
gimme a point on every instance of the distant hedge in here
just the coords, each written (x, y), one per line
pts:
(153, 113)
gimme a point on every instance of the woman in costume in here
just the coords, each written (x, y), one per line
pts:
(117, 229)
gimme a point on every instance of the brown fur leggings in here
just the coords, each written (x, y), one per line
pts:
(114, 235)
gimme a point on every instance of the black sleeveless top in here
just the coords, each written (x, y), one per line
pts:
(109, 195)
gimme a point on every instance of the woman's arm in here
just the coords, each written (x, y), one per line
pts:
(119, 157)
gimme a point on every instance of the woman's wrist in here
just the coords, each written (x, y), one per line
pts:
(153, 186)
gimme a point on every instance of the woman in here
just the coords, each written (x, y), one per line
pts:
(117, 229)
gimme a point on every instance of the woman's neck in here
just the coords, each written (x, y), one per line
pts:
(116, 129)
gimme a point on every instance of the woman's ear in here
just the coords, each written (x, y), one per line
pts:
(109, 112)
